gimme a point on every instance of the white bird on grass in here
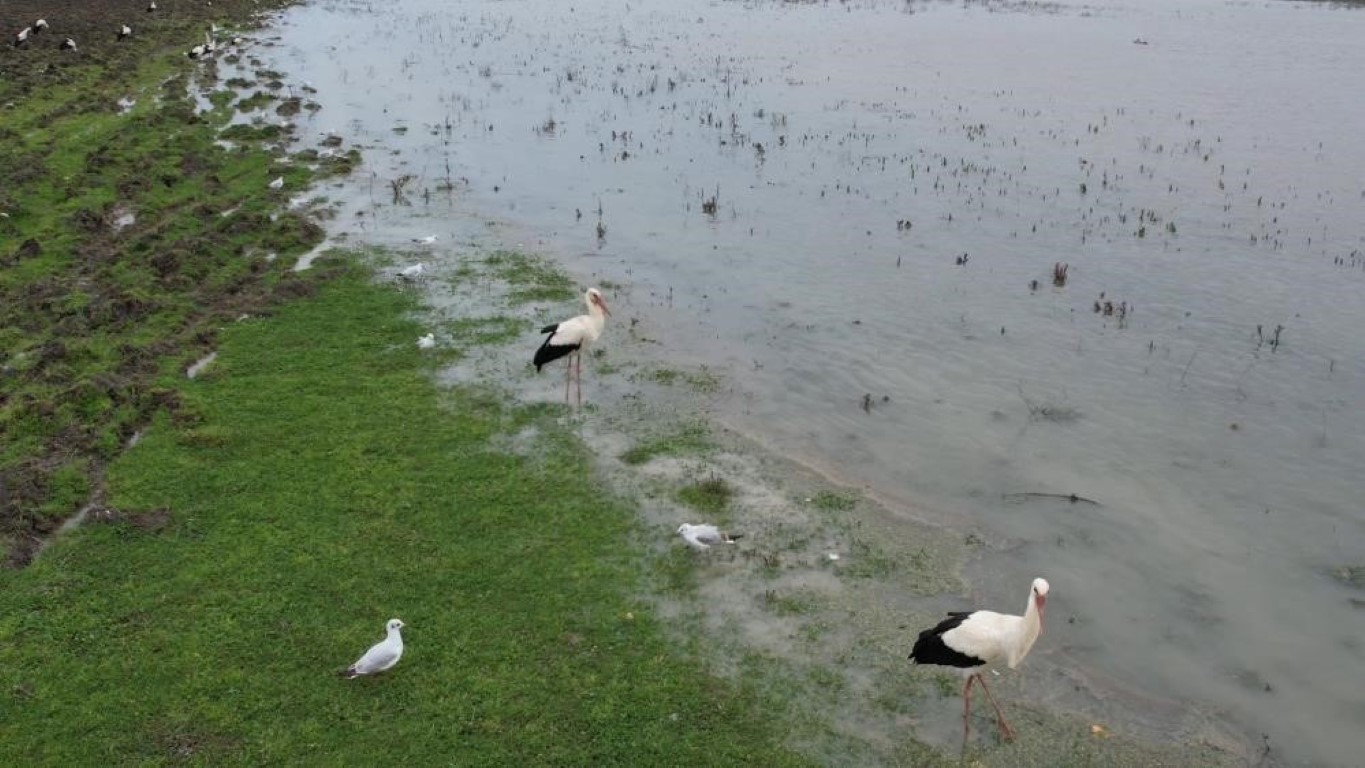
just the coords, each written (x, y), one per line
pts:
(21, 36)
(382, 655)
(68, 45)
(412, 271)
(278, 183)
(124, 31)
(971, 642)
(151, 6)
(703, 536)
(571, 337)
(40, 25)
(427, 342)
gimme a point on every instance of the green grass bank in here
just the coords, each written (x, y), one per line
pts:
(318, 484)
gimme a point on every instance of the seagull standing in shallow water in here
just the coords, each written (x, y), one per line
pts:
(382, 655)
(702, 536)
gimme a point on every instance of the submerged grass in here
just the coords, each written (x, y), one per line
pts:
(336, 492)
(686, 439)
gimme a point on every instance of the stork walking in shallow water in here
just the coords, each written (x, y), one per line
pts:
(571, 337)
(972, 642)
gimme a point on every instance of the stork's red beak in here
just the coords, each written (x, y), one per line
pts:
(1042, 602)
(602, 303)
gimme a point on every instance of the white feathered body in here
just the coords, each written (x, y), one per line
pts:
(575, 334)
(995, 638)
(381, 656)
(704, 536)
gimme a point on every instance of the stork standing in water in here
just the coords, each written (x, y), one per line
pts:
(972, 642)
(571, 337)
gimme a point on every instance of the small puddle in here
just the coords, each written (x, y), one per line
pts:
(306, 260)
(194, 370)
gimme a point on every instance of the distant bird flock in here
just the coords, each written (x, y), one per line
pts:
(25, 37)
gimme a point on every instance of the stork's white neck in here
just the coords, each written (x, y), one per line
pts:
(1028, 631)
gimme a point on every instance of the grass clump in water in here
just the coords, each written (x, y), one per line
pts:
(532, 278)
(710, 496)
(689, 439)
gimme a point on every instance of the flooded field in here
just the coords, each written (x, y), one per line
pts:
(856, 215)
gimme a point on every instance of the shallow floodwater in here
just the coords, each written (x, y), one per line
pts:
(842, 206)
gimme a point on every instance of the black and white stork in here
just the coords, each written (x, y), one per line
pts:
(39, 26)
(972, 642)
(68, 44)
(124, 32)
(21, 36)
(571, 337)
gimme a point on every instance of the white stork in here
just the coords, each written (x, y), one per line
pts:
(68, 44)
(39, 25)
(571, 337)
(124, 32)
(151, 6)
(21, 36)
(972, 642)
(702, 537)
(382, 655)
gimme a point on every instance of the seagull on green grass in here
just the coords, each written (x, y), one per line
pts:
(382, 655)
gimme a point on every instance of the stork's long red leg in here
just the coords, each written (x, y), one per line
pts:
(967, 710)
(568, 376)
(578, 375)
(1000, 718)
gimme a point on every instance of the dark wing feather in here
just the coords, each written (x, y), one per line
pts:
(930, 648)
(549, 353)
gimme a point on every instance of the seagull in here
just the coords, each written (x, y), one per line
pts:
(972, 642)
(428, 240)
(703, 536)
(427, 342)
(68, 45)
(21, 36)
(382, 655)
(124, 31)
(571, 336)
(278, 183)
(412, 271)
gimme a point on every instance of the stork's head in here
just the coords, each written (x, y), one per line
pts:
(594, 299)
(395, 624)
(1040, 589)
